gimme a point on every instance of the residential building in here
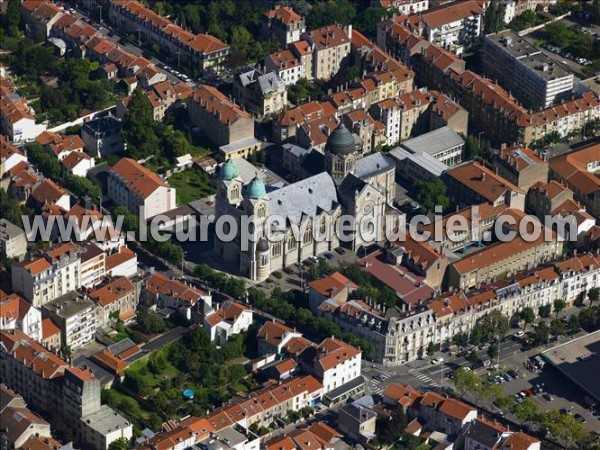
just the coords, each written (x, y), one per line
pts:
(403, 7)
(17, 119)
(284, 23)
(524, 70)
(501, 259)
(51, 335)
(483, 433)
(579, 171)
(10, 156)
(161, 96)
(357, 422)
(165, 292)
(389, 113)
(102, 136)
(273, 337)
(578, 275)
(227, 320)
(121, 262)
(521, 166)
(262, 94)
(40, 17)
(55, 272)
(19, 424)
(472, 183)
(447, 112)
(331, 50)
(47, 192)
(13, 241)
(335, 287)
(284, 126)
(286, 66)
(17, 313)
(78, 164)
(543, 198)
(92, 266)
(446, 415)
(223, 122)
(60, 146)
(75, 315)
(116, 299)
(319, 435)
(71, 395)
(303, 51)
(200, 52)
(139, 189)
(416, 166)
(114, 358)
(453, 26)
(336, 364)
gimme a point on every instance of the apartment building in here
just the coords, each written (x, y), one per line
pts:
(273, 337)
(287, 67)
(472, 183)
(579, 171)
(335, 287)
(303, 51)
(200, 51)
(333, 362)
(263, 94)
(75, 315)
(19, 423)
(139, 189)
(40, 17)
(357, 422)
(53, 273)
(501, 259)
(446, 112)
(17, 119)
(453, 26)
(521, 166)
(578, 275)
(116, 299)
(389, 113)
(17, 313)
(48, 193)
(60, 146)
(285, 125)
(93, 264)
(13, 241)
(224, 123)
(67, 397)
(528, 73)
(543, 198)
(165, 292)
(319, 433)
(10, 156)
(403, 7)
(331, 50)
(284, 23)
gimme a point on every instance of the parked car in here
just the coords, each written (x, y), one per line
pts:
(328, 255)
(438, 360)
(487, 363)
(548, 397)
(580, 418)
(340, 250)
(519, 334)
(513, 373)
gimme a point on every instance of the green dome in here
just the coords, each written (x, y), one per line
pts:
(228, 171)
(341, 141)
(256, 188)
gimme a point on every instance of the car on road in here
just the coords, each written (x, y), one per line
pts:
(580, 418)
(313, 258)
(528, 392)
(308, 262)
(340, 250)
(487, 363)
(548, 397)
(437, 360)
(519, 334)
(328, 255)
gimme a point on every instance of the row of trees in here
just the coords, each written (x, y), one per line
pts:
(227, 284)
(563, 427)
(291, 307)
(51, 168)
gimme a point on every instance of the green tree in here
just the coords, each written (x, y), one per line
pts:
(473, 357)
(466, 381)
(138, 127)
(573, 324)
(119, 444)
(431, 193)
(367, 20)
(557, 328)
(545, 311)
(150, 322)
(9, 208)
(10, 19)
(541, 333)
(430, 349)
(593, 295)
(460, 340)
(390, 429)
(495, 325)
(564, 427)
(46, 164)
(492, 351)
(477, 334)
(491, 392)
(472, 149)
(527, 315)
(525, 411)
(589, 318)
(559, 305)
(329, 12)
(494, 17)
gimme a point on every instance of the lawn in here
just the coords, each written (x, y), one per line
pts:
(192, 184)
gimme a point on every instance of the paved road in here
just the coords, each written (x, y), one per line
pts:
(164, 339)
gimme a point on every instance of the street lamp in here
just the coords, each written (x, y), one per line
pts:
(183, 253)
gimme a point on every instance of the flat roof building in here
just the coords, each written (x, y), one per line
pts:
(579, 361)
(442, 144)
(524, 70)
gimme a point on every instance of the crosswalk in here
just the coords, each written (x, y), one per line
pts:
(376, 386)
(423, 377)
